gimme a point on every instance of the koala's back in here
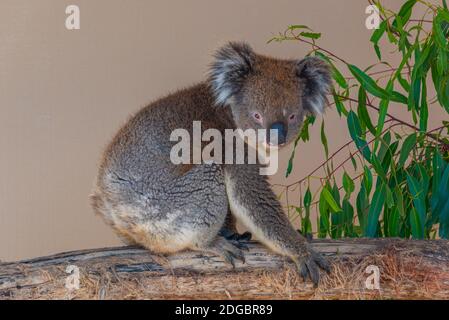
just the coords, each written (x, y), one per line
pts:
(140, 192)
(141, 148)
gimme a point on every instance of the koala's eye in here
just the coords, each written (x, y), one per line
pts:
(292, 117)
(257, 116)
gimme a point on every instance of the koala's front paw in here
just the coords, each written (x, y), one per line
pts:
(308, 265)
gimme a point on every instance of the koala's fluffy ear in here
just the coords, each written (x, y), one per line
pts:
(317, 82)
(233, 62)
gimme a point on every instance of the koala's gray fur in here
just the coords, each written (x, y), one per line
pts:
(166, 208)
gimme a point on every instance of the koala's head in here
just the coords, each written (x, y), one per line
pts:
(268, 93)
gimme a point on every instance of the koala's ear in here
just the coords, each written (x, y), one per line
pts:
(233, 62)
(317, 82)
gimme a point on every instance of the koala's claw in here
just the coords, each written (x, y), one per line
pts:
(309, 265)
(229, 251)
(322, 262)
(241, 244)
(230, 257)
(237, 239)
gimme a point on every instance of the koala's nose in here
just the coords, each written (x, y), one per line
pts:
(281, 131)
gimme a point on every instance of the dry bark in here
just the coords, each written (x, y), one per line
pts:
(409, 269)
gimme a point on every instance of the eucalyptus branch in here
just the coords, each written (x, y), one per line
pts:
(408, 176)
(405, 123)
(332, 156)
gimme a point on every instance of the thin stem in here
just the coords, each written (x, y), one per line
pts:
(317, 47)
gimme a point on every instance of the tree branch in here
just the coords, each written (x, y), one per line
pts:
(408, 269)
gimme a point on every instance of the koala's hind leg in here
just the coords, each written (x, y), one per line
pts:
(188, 214)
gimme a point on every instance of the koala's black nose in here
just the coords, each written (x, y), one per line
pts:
(281, 131)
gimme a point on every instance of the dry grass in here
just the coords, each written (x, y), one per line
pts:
(401, 277)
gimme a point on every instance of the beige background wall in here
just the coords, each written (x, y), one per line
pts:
(64, 93)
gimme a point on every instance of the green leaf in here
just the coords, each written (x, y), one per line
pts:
(375, 210)
(307, 198)
(399, 195)
(425, 178)
(393, 223)
(424, 56)
(356, 131)
(438, 168)
(348, 185)
(323, 222)
(441, 85)
(362, 111)
(324, 140)
(441, 196)
(362, 206)
(377, 166)
(444, 221)
(416, 224)
(340, 107)
(348, 217)
(298, 26)
(442, 62)
(407, 146)
(385, 142)
(388, 160)
(404, 61)
(367, 179)
(424, 111)
(303, 135)
(377, 34)
(377, 50)
(333, 205)
(415, 92)
(418, 195)
(353, 161)
(398, 97)
(383, 107)
(311, 35)
(289, 166)
(338, 77)
(404, 84)
(439, 35)
(368, 83)
(306, 225)
(389, 198)
(405, 12)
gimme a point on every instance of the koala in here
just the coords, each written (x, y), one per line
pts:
(166, 208)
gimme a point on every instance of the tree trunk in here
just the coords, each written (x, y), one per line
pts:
(408, 269)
